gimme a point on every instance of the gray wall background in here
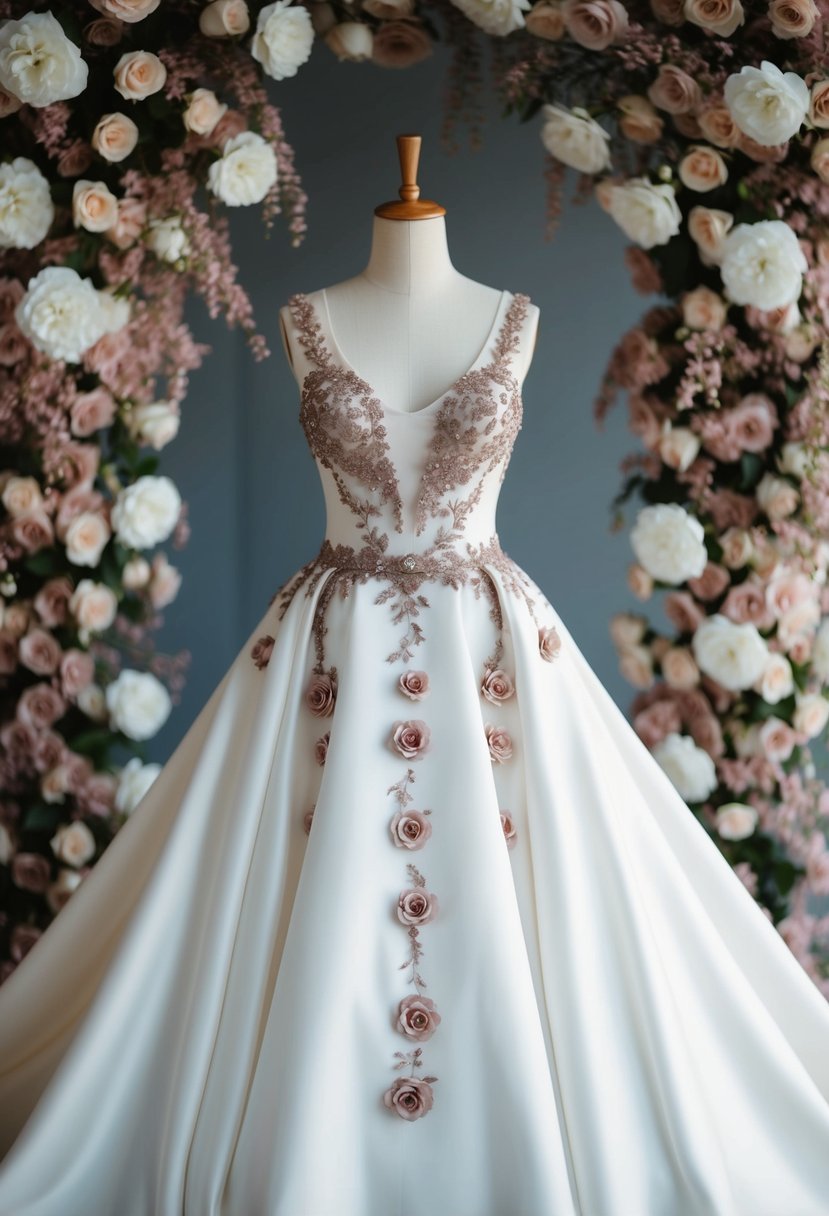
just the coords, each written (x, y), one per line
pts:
(241, 460)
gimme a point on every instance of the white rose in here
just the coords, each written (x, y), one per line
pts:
(21, 495)
(245, 172)
(138, 704)
(134, 780)
(26, 209)
(86, 538)
(204, 111)
(73, 843)
(94, 206)
(678, 446)
(154, 424)
(736, 820)
(767, 105)
(575, 139)
(93, 606)
(350, 40)
(820, 651)
(38, 63)
(776, 496)
(647, 214)
(668, 543)
(811, 714)
(92, 702)
(498, 17)
(795, 459)
(167, 239)
(762, 264)
(283, 39)
(690, 768)
(146, 512)
(777, 680)
(733, 655)
(61, 313)
(136, 573)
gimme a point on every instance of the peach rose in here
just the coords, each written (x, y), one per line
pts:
(77, 669)
(129, 11)
(546, 20)
(497, 685)
(675, 91)
(509, 829)
(410, 829)
(708, 228)
(54, 784)
(93, 605)
(640, 121)
(414, 684)
(224, 19)
(86, 538)
(139, 74)
(409, 1097)
(417, 1017)
(321, 747)
(321, 695)
(398, 44)
(40, 706)
(91, 411)
(40, 652)
(549, 642)
(717, 125)
(21, 495)
(415, 906)
(777, 739)
(679, 668)
(636, 665)
(261, 651)
(711, 583)
(819, 159)
(792, 18)
(639, 581)
(819, 104)
(702, 168)
(411, 738)
(499, 742)
(114, 137)
(595, 24)
(717, 16)
(17, 617)
(9, 104)
(94, 206)
(204, 110)
(669, 12)
(703, 308)
(737, 548)
(164, 583)
(129, 223)
(73, 843)
(627, 629)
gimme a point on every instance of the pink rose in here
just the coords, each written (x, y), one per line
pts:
(675, 91)
(13, 346)
(77, 670)
(509, 829)
(747, 603)
(409, 1097)
(105, 31)
(32, 531)
(417, 1017)
(321, 747)
(549, 642)
(97, 795)
(711, 583)
(40, 706)
(410, 829)
(499, 742)
(321, 695)
(414, 684)
(497, 685)
(752, 422)
(80, 501)
(92, 411)
(777, 739)
(49, 749)
(129, 223)
(40, 652)
(30, 872)
(261, 651)
(683, 611)
(595, 24)
(416, 906)
(728, 509)
(653, 723)
(308, 819)
(411, 738)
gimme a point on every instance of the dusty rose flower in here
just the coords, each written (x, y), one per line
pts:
(75, 159)
(549, 642)
(546, 20)
(138, 74)
(261, 650)
(414, 684)
(819, 159)
(40, 652)
(8, 652)
(321, 695)
(308, 819)
(77, 670)
(416, 906)
(639, 120)
(763, 153)
(49, 750)
(644, 273)
(777, 739)
(687, 125)
(40, 706)
(674, 90)
(718, 126)
(410, 829)
(702, 168)
(30, 872)
(33, 531)
(409, 1097)
(9, 104)
(509, 829)
(717, 16)
(752, 422)
(18, 740)
(97, 795)
(129, 223)
(653, 723)
(595, 24)
(224, 18)
(747, 603)
(398, 44)
(670, 12)
(411, 738)
(683, 611)
(497, 686)
(232, 123)
(728, 509)
(711, 583)
(417, 1017)
(17, 617)
(499, 742)
(114, 137)
(92, 411)
(679, 668)
(14, 346)
(792, 18)
(105, 31)
(643, 421)
(321, 747)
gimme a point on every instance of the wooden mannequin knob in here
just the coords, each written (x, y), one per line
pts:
(410, 206)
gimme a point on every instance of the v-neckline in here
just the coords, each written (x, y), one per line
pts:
(334, 352)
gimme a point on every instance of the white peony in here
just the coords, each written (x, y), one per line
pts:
(38, 63)
(669, 543)
(167, 239)
(498, 17)
(245, 171)
(283, 39)
(61, 313)
(646, 213)
(767, 105)
(762, 264)
(146, 512)
(736, 820)
(690, 768)
(26, 209)
(134, 780)
(138, 704)
(575, 139)
(733, 655)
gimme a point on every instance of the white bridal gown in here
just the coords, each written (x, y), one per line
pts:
(501, 970)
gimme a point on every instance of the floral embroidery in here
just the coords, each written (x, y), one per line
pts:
(549, 642)
(414, 684)
(499, 742)
(261, 651)
(410, 1097)
(321, 693)
(510, 830)
(411, 738)
(321, 748)
(496, 685)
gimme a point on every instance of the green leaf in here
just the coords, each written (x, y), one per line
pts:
(45, 562)
(41, 818)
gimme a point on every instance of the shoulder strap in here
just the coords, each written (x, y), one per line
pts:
(509, 335)
(309, 330)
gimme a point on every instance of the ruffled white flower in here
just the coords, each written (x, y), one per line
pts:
(245, 172)
(669, 543)
(498, 17)
(138, 704)
(155, 423)
(734, 655)
(283, 39)
(575, 138)
(762, 264)
(167, 239)
(767, 105)
(134, 780)
(146, 512)
(690, 768)
(62, 314)
(647, 213)
(736, 820)
(26, 208)
(38, 63)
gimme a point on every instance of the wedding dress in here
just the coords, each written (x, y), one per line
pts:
(411, 922)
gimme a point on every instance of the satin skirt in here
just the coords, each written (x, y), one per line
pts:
(208, 1027)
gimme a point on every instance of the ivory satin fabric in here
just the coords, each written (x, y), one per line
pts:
(205, 1028)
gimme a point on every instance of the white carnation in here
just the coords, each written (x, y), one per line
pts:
(690, 768)
(495, 16)
(26, 209)
(62, 314)
(767, 105)
(575, 139)
(146, 512)
(283, 39)
(245, 171)
(38, 63)
(762, 264)
(134, 780)
(669, 543)
(734, 655)
(647, 213)
(138, 704)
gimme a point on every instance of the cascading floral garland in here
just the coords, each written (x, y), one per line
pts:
(698, 124)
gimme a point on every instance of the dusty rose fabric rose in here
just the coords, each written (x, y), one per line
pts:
(97, 795)
(410, 829)
(416, 906)
(415, 684)
(509, 829)
(417, 1017)
(321, 695)
(308, 819)
(752, 422)
(79, 770)
(30, 872)
(75, 159)
(40, 652)
(261, 651)
(499, 742)
(411, 738)
(398, 44)
(497, 686)
(549, 642)
(13, 345)
(40, 705)
(321, 747)
(728, 509)
(711, 583)
(409, 1097)
(764, 154)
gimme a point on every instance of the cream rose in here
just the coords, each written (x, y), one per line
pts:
(733, 655)
(545, 20)
(736, 820)
(777, 680)
(138, 704)
(777, 740)
(21, 495)
(718, 127)
(245, 172)
(93, 606)
(38, 63)
(499, 17)
(762, 264)
(86, 538)
(690, 768)
(669, 543)
(575, 138)
(702, 168)
(767, 105)
(114, 137)
(352, 40)
(792, 18)
(647, 214)
(224, 19)
(203, 111)
(717, 16)
(155, 423)
(26, 208)
(283, 39)
(61, 313)
(134, 780)
(139, 74)
(146, 512)
(777, 496)
(703, 308)
(678, 446)
(73, 843)
(94, 206)
(811, 714)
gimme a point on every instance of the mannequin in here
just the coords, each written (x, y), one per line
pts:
(409, 323)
